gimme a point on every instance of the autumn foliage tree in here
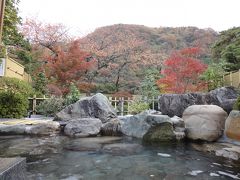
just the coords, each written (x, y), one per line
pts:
(182, 72)
(58, 55)
(45, 38)
(45, 35)
(69, 66)
(123, 52)
(118, 55)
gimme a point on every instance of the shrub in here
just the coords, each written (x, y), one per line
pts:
(40, 83)
(148, 87)
(213, 76)
(137, 107)
(73, 95)
(14, 97)
(236, 106)
(51, 106)
(12, 105)
(15, 85)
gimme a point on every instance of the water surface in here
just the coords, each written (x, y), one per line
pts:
(104, 158)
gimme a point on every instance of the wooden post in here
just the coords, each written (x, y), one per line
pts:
(2, 7)
(110, 99)
(128, 100)
(153, 103)
(115, 102)
(122, 105)
(34, 104)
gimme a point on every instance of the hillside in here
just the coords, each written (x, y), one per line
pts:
(163, 40)
(124, 51)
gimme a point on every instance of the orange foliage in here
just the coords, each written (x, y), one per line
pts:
(116, 53)
(47, 35)
(86, 87)
(68, 66)
(122, 94)
(182, 71)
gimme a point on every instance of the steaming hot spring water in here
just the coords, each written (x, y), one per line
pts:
(61, 157)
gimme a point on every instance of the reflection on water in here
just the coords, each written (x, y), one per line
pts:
(60, 157)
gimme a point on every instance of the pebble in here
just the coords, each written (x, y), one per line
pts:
(214, 174)
(195, 173)
(163, 155)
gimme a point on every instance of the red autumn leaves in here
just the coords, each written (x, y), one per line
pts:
(182, 71)
(68, 65)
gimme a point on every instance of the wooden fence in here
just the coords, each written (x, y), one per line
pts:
(120, 104)
(232, 79)
(34, 101)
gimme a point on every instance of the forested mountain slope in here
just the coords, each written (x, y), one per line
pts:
(123, 52)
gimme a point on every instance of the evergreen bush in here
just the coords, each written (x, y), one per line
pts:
(12, 105)
(51, 106)
(15, 85)
(14, 95)
(73, 96)
(138, 107)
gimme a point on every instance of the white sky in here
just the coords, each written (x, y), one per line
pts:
(83, 16)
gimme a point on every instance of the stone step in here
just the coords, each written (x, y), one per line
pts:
(13, 168)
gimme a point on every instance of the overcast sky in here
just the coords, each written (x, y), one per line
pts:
(83, 16)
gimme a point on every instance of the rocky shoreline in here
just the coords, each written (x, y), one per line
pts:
(94, 116)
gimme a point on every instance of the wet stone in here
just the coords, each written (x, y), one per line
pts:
(122, 148)
(13, 168)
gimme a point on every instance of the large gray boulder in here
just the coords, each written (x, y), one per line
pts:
(96, 106)
(175, 104)
(152, 127)
(224, 97)
(83, 127)
(204, 122)
(163, 128)
(155, 119)
(135, 126)
(160, 133)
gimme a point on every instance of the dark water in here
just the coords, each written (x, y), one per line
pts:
(114, 158)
